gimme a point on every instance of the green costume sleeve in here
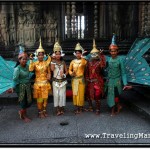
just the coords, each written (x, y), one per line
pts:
(87, 57)
(15, 76)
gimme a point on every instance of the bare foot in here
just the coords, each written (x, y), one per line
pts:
(62, 112)
(58, 113)
(45, 114)
(119, 109)
(77, 112)
(112, 114)
(41, 115)
(27, 119)
(89, 109)
(21, 114)
(97, 112)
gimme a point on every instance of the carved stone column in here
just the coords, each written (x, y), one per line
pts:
(4, 25)
(148, 19)
(68, 20)
(102, 20)
(95, 19)
(85, 20)
(145, 19)
(73, 21)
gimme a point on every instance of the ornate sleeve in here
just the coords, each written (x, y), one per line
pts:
(49, 72)
(103, 61)
(31, 66)
(71, 68)
(48, 61)
(87, 71)
(15, 77)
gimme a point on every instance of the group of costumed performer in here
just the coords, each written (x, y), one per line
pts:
(59, 69)
(86, 73)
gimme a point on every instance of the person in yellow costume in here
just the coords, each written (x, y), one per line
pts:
(76, 71)
(42, 87)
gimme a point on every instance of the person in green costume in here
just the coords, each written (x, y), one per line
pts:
(117, 80)
(22, 85)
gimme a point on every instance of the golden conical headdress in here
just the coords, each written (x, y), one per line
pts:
(94, 50)
(40, 49)
(79, 47)
(57, 47)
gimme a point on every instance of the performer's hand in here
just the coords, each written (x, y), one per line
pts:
(84, 52)
(73, 73)
(87, 80)
(48, 77)
(101, 50)
(53, 56)
(127, 87)
(52, 66)
(31, 57)
(11, 90)
(61, 73)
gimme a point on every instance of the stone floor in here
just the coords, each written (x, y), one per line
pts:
(126, 128)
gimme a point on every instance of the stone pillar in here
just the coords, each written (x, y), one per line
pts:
(148, 20)
(102, 20)
(95, 19)
(144, 19)
(73, 21)
(68, 20)
(4, 25)
(85, 20)
(116, 28)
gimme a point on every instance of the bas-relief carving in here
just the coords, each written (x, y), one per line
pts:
(12, 31)
(28, 28)
(20, 31)
(4, 31)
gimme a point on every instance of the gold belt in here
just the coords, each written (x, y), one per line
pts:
(58, 80)
(41, 82)
(80, 77)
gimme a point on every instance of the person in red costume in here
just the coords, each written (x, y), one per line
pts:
(94, 78)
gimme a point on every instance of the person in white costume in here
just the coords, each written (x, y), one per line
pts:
(59, 68)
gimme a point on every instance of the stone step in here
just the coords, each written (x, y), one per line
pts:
(138, 100)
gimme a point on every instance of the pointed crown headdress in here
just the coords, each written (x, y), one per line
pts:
(21, 52)
(113, 44)
(57, 47)
(79, 47)
(40, 49)
(94, 50)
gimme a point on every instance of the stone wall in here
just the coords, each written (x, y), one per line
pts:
(24, 23)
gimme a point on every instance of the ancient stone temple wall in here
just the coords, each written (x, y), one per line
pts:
(24, 23)
(144, 19)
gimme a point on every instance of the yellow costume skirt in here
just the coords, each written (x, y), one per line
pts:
(78, 88)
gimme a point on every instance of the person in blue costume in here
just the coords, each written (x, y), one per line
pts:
(22, 85)
(117, 79)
